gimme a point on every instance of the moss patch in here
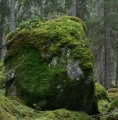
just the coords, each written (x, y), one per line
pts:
(12, 110)
(101, 92)
(103, 105)
(113, 115)
(114, 105)
(113, 93)
(65, 115)
(2, 75)
(50, 37)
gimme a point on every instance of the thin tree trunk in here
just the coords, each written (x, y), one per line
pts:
(108, 60)
(73, 8)
(2, 20)
(102, 66)
(108, 50)
(116, 80)
(12, 14)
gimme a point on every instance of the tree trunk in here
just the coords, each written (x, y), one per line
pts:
(102, 66)
(12, 14)
(73, 7)
(2, 20)
(108, 60)
(108, 50)
(116, 80)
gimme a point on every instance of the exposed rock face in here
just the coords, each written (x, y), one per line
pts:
(53, 66)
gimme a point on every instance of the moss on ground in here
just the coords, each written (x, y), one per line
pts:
(114, 105)
(113, 115)
(113, 108)
(63, 114)
(103, 99)
(113, 93)
(101, 92)
(13, 110)
(2, 75)
(103, 105)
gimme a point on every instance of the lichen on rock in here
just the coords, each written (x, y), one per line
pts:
(52, 66)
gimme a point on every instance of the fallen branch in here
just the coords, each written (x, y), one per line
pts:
(97, 115)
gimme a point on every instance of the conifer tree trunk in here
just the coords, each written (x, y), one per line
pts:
(2, 20)
(108, 50)
(116, 80)
(108, 59)
(102, 66)
(12, 14)
(73, 8)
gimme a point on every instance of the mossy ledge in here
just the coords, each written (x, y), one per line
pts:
(50, 66)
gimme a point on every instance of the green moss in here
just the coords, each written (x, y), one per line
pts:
(53, 35)
(63, 114)
(114, 105)
(101, 92)
(2, 75)
(113, 93)
(47, 81)
(103, 105)
(113, 90)
(12, 110)
(113, 96)
(113, 115)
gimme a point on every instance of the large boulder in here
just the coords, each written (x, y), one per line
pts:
(50, 65)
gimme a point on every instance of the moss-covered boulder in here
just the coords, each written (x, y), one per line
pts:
(50, 65)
